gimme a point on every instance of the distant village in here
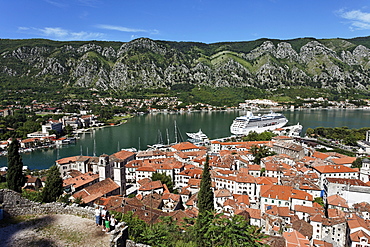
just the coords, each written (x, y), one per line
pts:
(299, 195)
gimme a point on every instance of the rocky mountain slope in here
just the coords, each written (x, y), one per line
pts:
(144, 63)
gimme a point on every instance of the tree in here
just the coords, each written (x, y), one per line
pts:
(357, 163)
(53, 186)
(205, 206)
(15, 177)
(165, 179)
(310, 132)
(260, 152)
(205, 195)
(320, 201)
(233, 231)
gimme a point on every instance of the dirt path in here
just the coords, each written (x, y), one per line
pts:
(54, 230)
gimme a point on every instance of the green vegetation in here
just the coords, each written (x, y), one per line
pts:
(259, 152)
(54, 185)
(15, 178)
(339, 134)
(31, 195)
(254, 136)
(218, 231)
(165, 179)
(320, 201)
(25, 80)
(357, 163)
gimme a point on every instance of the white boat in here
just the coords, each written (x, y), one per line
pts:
(198, 136)
(244, 124)
(292, 131)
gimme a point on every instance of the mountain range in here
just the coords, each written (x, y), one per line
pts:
(144, 63)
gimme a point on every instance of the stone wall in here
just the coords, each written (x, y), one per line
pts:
(14, 204)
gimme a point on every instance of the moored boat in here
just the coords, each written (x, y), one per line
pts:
(243, 125)
(198, 136)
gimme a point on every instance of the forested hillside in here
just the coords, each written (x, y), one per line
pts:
(335, 65)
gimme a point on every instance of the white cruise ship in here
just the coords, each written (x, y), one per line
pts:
(244, 124)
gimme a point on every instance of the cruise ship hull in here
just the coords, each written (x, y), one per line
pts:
(245, 124)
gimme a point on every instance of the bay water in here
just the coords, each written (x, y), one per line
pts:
(149, 129)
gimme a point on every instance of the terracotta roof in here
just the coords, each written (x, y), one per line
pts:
(333, 169)
(254, 213)
(192, 173)
(266, 180)
(146, 169)
(356, 236)
(183, 146)
(142, 154)
(192, 200)
(184, 191)
(320, 243)
(337, 200)
(112, 202)
(312, 211)
(171, 196)
(222, 193)
(123, 154)
(294, 239)
(97, 190)
(284, 193)
(151, 186)
(67, 160)
(279, 211)
(144, 181)
(320, 155)
(335, 213)
(356, 182)
(357, 222)
(81, 180)
(343, 161)
(242, 199)
(194, 182)
(254, 167)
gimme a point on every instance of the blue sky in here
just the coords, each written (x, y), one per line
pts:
(207, 21)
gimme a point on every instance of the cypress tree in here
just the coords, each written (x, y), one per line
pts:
(53, 186)
(205, 195)
(15, 178)
(205, 206)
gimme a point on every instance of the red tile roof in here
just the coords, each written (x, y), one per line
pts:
(337, 200)
(123, 154)
(295, 238)
(183, 146)
(97, 190)
(151, 186)
(334, 169)
(284, 193)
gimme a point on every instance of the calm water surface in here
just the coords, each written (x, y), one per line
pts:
(144, 130)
